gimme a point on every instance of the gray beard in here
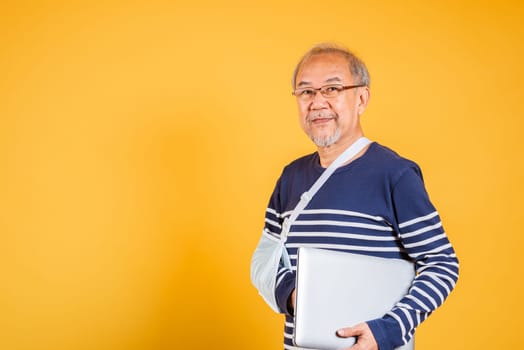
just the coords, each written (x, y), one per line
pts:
(326, 140)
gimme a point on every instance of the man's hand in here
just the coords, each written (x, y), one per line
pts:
(292, 301)
(365, 338)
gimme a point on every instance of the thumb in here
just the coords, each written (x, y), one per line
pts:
(354, 331)
(350, 332)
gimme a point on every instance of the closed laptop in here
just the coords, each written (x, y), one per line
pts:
(338, 289)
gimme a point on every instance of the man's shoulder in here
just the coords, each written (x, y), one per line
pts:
(303, 162)
(385, 158)
(378, 159)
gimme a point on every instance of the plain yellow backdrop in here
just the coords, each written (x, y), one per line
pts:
(140, 141)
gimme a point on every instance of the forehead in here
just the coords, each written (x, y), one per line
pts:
(323, 68)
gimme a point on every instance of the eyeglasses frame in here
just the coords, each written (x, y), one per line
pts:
(344, 87)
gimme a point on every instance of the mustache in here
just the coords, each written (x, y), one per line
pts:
(314, 115)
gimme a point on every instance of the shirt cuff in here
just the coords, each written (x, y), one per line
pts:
(283, 292)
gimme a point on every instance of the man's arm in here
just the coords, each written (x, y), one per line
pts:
(285, 279)
(424, 240)
(285, 290)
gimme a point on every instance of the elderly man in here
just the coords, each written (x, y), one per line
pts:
(375, 204)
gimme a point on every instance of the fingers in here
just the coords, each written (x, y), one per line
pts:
(365, 338)
(354, 331)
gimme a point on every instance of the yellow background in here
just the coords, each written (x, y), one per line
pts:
(140, 141)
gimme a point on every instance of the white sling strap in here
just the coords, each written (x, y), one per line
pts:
(271, 253)
(349, 153)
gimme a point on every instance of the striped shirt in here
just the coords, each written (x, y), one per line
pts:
(376, 205)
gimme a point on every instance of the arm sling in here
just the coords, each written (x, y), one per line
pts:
(271, 252)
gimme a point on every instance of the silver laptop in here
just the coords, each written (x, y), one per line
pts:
(338, 289)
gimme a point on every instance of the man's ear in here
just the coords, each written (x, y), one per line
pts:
(363, 99)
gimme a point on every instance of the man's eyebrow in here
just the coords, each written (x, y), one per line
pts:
(332, 80)
(302, 83)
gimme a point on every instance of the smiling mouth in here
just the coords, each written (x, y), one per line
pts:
(320, 120)
(320, 117)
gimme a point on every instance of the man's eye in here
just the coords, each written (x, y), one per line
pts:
(332, 89)
(307, 92)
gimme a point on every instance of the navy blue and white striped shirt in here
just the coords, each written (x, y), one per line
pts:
(376, 205)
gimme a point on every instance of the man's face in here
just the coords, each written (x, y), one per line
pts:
(330, 120)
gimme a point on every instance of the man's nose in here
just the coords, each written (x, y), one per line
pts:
(318, 101)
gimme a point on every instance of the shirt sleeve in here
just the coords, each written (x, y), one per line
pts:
(425, 241)
(285, 279)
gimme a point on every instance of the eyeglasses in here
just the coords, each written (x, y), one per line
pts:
(328, 91)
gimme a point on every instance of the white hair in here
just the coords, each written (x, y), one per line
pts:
(356, 66)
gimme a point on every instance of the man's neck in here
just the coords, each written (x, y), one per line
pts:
(328, 154)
